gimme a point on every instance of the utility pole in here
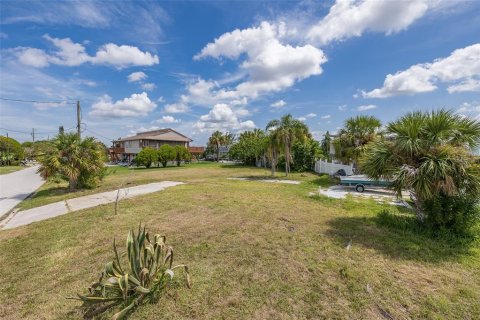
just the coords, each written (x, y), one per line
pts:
(78, 119)
(33, 135)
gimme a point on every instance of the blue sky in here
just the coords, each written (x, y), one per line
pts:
(199, 66)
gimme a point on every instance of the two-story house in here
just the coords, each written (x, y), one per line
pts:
(126, 149)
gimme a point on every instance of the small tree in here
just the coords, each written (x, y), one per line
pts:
(249, 147)
(181, 154)
(80, 162)
(165, 153)
(216, 140)
(285, 132)
(305, 153)
(146, 157)
(325, 144)
(352, 141)
(10, 150)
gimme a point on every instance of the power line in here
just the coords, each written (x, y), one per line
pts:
(36, 132)
(98, 134)
(36, 101)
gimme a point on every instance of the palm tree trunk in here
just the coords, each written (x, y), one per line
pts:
(274, 161)
(287, 160)
(418, 207)
(218, 152)
(72, 184)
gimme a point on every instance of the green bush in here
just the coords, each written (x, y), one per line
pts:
(147, 272)
(457, 214)
(146, 157)
(165, 154)
(11, 152)
(304, 154)
(181, 154)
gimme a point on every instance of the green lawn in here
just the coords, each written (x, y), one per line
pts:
(9, 169)
(256, 251)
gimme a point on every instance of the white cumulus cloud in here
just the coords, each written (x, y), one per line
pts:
(366, 107)
(467, 85)
(167, 119)
(176, 108)
(469, 110)
(271, 65)
(137, 76)
(278, 104)
(223, 117)
(351, 18)
(137, 105)
(460, 70)
(327, 116)
(148, 86)
(68, 53)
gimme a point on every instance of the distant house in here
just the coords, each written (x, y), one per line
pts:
(126, 149)
(197, 152)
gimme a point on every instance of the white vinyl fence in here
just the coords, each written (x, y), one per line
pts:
(332, 168)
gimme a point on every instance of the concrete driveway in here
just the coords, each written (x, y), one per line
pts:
(380, 195)
(16, 186)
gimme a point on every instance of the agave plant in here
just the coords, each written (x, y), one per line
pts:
(148, 271)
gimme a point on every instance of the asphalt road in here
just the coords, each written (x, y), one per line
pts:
(16, 186)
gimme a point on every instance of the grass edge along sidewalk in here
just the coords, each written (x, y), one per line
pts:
(25, 217)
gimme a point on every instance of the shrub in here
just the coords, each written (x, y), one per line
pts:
(148, 272)
(165, 153)
(181, 154)
(146, 157)
(304, 155)
(10, 151)
(457, 214)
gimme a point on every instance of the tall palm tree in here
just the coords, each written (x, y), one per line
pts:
(428, 154)
(353, 138)
(80, 162)
(228, 139)
(216, 140)
(286, 131)
(272, 147)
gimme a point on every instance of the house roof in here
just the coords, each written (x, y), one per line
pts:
(196, 149)
(160, 135)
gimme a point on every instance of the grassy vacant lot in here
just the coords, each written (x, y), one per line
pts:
(256, 251)
(9, 169)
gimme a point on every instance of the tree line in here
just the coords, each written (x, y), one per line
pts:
(149, 156)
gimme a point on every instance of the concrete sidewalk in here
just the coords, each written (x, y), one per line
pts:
(62, 207)
(16, 186)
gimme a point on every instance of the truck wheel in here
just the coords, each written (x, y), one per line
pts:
(360, 188)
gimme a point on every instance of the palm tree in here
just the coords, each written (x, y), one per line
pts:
(284, 133)
(353, 138)
(216, 140)
(80, 162)
(428, 154)
(272, 147)
(325, 145)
